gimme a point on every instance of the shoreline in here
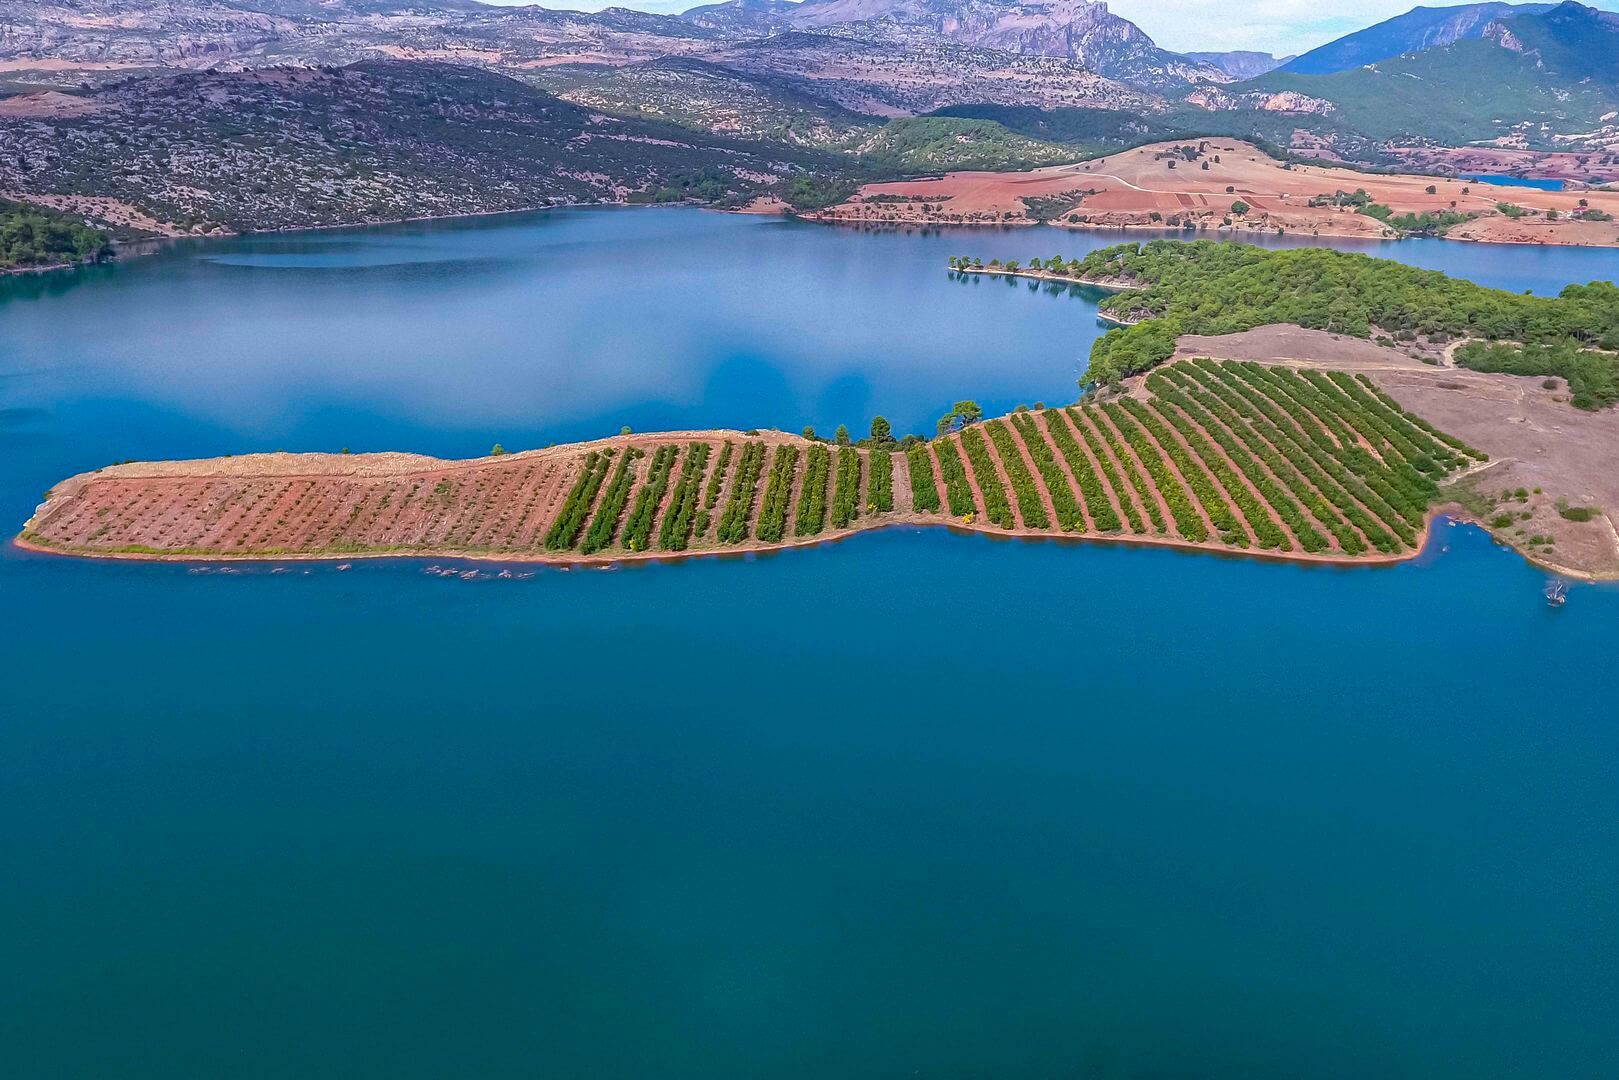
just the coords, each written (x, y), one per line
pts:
(1454, 512)
(1047, 275)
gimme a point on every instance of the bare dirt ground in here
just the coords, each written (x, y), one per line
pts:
(48, 105)
(1559, 455)
(105, 211)
(1139, 189)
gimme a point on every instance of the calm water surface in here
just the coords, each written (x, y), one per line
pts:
(915, 804)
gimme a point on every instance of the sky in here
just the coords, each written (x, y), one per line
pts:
(1274, 26)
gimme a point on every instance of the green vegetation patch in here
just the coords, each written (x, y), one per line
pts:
(33, 236)
(1206, 287)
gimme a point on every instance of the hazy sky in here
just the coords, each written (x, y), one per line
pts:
(1278, 26)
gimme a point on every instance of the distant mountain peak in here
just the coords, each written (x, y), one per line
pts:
(1417, 30)
(1084, 31)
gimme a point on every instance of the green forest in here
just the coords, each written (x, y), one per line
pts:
(32, 236)
(1207, 287)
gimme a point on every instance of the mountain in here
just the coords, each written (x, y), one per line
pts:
(1418, 29)
(380, 140)
(743, 16)
(1083, 31)
(1548, 79)
(1240, 64)
(888, 69)
(64, 42)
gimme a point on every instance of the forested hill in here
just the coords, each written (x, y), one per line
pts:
(1207, 287)
(32, 236)
(1533, 75)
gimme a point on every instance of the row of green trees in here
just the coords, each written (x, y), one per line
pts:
(1327, 502)
(957, 491)
(924, 492)
(1197, 429)
(1300, 435)
(811, 516)
(846, 500)
(1247, 452)
(1194, 471)
(778, 495)
(1030, 507)
(1188, 522)
(604, 525)
(733, 527)
(1386, 473)
(571, 518)
(675, 531)
(638, 529)
(717, 481)
(1091, 489)
(880, 493)
(996, 507)
(1098, 435)
(1069, 517)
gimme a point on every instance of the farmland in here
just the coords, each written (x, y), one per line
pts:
(1227, 455)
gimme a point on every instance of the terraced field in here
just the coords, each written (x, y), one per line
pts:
(1221, 454)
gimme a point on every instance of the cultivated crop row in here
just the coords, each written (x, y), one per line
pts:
(778, 495)
(880, 497)
(956, 489)
(571, 518)
(675, 532)
(733, 527)
(1097, 434)
(1030, 508)
(1069, 516)
(846, 500)
(924, 493)
(996, 508)
(638, 529)
(605, 524)
(811, 517)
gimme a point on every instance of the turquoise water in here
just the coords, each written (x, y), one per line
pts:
(914, 804)
(1538, 182)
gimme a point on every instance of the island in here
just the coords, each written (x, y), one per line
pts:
(1305, 405)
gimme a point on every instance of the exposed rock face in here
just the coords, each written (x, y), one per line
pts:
(1240, 64)
(1080, 30)
(1288, 101)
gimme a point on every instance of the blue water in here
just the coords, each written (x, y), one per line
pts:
(1537, 182)
(913, 804)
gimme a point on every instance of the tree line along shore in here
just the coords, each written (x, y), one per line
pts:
(1223, 455)
(1164, 289)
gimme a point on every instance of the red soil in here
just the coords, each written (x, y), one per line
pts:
(1129, 188)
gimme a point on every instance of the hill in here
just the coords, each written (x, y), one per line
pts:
(381, 140)
(1417, 30)
(1525, 81)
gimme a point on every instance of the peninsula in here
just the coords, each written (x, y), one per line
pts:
(1304, 405)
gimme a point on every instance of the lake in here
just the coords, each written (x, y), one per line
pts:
(1540, 183)
(913, 804)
